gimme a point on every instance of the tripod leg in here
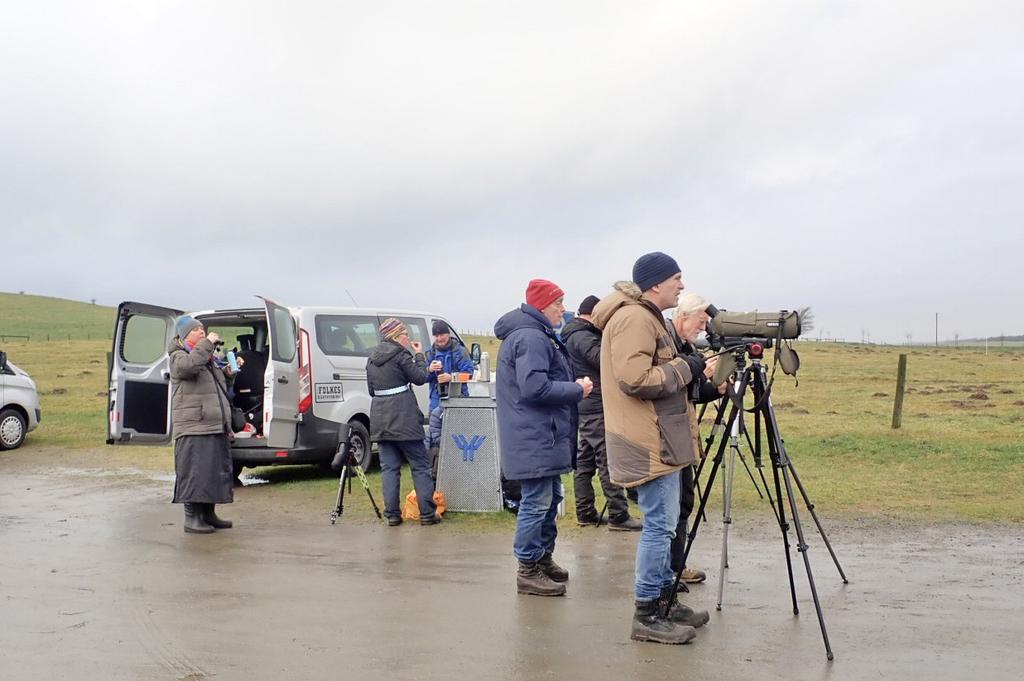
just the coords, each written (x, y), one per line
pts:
(366, 485)
(784, 526)
(339, 506)
(708, 442)
(730, 472)
(600, 516)
(696, 481)
(802, 547)
(821, 530)
(768, 491)
(782, 468)
(709, 485)
(755, 447)
(757, 488)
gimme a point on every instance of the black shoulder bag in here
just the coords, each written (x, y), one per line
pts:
(238, 419)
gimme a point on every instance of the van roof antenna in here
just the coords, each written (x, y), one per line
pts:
(351, 298)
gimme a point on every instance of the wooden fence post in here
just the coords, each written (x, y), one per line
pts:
(901, 384)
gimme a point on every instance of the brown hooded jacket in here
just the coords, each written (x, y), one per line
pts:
(648, 420)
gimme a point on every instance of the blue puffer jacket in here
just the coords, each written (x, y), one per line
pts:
(453, 359)
(536, 398)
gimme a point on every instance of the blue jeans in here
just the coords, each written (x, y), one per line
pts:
(392, 452)
(535, 523)
(659, 502)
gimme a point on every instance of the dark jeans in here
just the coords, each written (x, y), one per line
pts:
(686, 497)
(535, 523)
(392, 452)
(594, 456)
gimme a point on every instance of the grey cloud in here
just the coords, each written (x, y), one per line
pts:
(860, 159)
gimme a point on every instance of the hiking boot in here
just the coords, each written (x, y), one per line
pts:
(627, 525)
(553, 570)
(531, 580)
(679, 613)
(194, 522)
(211, 517)
(394, 521)
(587, 520)
(691, 576)
(649, 625)
(430, 520)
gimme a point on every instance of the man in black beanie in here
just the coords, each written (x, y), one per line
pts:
(583, 341)
(649, 432)
(444, 358)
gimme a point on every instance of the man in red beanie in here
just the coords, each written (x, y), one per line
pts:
(537, 419)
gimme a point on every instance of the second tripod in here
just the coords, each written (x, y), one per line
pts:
(345, 460)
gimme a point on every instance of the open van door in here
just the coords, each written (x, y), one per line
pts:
(138, 398)
(281, 381)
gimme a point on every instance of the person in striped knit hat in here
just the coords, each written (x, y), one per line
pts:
(396, 422)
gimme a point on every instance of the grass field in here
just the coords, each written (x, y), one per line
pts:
(958, 455)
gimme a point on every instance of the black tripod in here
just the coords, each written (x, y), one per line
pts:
(346, 461)
(783, 472)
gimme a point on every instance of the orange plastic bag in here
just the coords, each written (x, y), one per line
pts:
(411, 510)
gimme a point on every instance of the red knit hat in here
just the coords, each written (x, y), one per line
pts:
(540, 293)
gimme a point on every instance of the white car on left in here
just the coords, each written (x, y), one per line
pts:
(19, 404)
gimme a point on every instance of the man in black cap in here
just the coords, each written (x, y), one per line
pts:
(444, 358)
(583, 341)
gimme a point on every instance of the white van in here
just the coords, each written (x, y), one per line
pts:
(19, 404)
(304, 374)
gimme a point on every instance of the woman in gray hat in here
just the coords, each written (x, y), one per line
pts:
(201, 422)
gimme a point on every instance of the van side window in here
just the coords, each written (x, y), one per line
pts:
(145, 339)
(346, 335)
(282, 334)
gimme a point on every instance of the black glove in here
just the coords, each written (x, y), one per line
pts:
(696, 364)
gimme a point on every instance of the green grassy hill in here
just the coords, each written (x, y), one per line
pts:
(41, 317)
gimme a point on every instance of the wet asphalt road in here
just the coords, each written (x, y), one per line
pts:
(98, 581)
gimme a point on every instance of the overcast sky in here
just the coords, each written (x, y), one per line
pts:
(865, 159)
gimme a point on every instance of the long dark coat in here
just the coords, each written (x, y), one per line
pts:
(536, 398)
(201, 422)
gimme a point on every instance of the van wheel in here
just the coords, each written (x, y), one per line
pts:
(12, 429)
(360, 443)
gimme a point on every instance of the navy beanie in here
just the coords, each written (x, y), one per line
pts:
(654, 268)
(587, 306)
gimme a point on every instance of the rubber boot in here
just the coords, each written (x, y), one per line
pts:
(194, 522)
(531, 580)
(210, 516)
(677, 612)
(554, 571)
(649, 625)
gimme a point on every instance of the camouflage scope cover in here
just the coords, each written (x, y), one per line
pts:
(757, 324)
